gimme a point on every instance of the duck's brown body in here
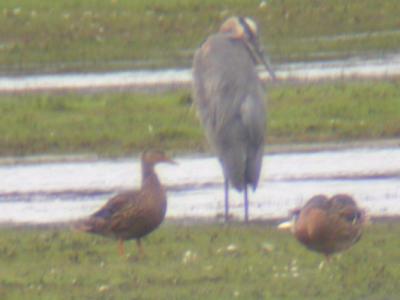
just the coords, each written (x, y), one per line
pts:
(329, 225)
(133, 214)
(130, 215)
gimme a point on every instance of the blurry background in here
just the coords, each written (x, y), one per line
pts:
(86, 85)
(47, 36)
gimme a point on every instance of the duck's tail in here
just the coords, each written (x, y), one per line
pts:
(91, 225)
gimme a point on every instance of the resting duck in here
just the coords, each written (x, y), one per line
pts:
(327, 225)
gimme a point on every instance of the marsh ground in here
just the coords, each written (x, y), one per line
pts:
(200, 261)
(44, 36)
(118, 124)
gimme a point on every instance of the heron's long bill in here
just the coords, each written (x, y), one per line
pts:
(265, 61)
(260, 57)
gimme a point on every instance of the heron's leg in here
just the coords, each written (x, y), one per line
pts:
(246, 205)
(121, 247)
(226, 190)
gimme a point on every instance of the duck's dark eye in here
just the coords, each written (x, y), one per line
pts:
(353, 217)
(295, 215)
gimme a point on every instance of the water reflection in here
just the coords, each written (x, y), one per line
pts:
(382, 66)
(63, 191)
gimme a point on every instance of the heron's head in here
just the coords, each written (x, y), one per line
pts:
(245, 29)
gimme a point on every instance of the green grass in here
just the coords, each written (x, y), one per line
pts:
(117, 124)
(111, 124)
(44, 35)
(335, 112)
(266, 264)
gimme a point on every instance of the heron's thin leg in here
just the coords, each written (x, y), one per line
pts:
(246, 205)
(226, 189)
(121, 247)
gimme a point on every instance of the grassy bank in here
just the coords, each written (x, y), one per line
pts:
(43, 35)
(197, 262)
(121, 124)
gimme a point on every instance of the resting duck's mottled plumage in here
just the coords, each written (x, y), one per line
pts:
(133, 214)
(327, 225)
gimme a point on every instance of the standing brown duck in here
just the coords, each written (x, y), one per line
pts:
(327, 225)
(133, 214)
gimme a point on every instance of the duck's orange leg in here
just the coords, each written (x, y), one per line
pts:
(141, 251)
(327, 261)
(121, 248)
(328, 258)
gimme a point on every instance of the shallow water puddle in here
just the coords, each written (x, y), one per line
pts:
(53, 192)
(382, 66)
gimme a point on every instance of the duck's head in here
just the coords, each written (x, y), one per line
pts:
(152, 157)
(347, 209)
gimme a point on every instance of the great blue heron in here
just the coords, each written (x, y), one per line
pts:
(230, 100)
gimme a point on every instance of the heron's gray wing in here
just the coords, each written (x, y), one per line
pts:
(244, 140)
(253, 112)
(254, 165)
(253, 118)
(226, 86)
(205, 87)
